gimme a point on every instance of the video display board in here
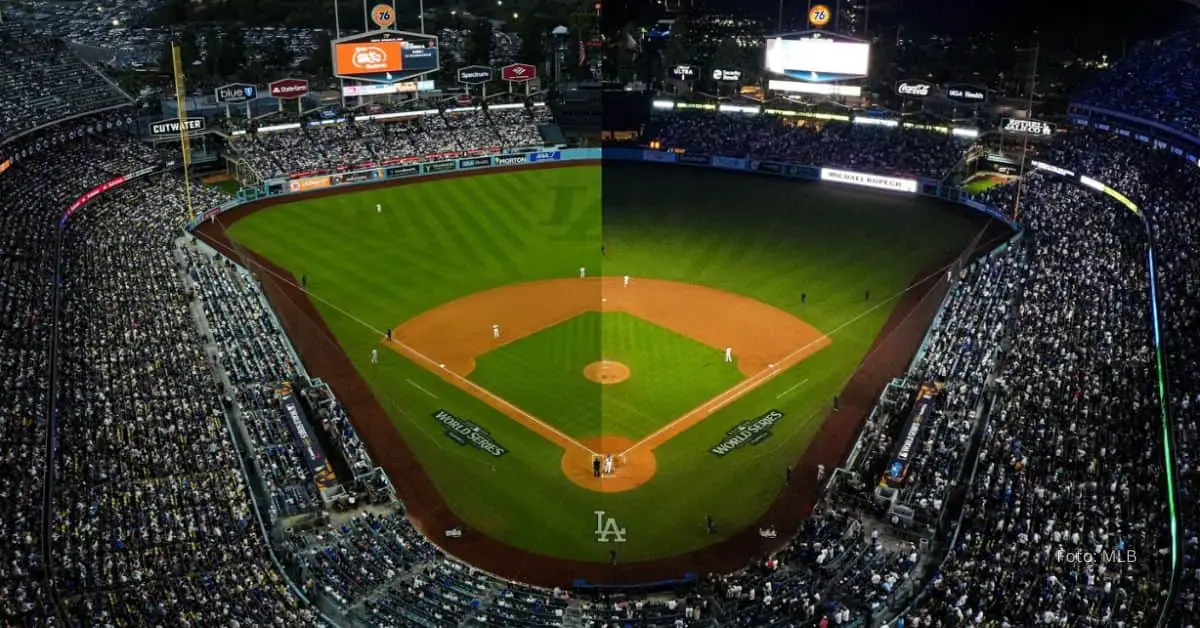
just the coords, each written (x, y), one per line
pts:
(385, 56)
(817, 58)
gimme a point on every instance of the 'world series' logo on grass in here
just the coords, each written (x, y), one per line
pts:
(607, 530)
(750, 432)
(465, 432)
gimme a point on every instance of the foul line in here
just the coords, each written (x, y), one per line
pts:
(433, 366)
(794, 387)
(421, 388)
(754, 381)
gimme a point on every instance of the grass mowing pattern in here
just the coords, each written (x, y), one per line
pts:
(766, 238)
(543, 374)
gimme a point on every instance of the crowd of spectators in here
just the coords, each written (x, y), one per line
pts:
(165, 353)
(1163, 185)
(1069, 472)
(862, 146)
(1157, 80)
(961, 355)
(42, 80)
(362, 142)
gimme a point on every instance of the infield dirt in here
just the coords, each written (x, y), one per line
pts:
(324, 358)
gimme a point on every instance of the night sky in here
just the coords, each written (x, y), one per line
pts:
(1077, 24)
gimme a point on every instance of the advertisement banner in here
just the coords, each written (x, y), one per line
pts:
(311, 183)
(659, 157)
(694, 158)
(403, 171)
(288, 88)
(353, 177)
(914, 88)
(369, 57)
(684, 72)
(966, 94)
(234, 93)
(475, 162)
(170, 127)
(769, 167)
(518, 72)
(307, 446)
(729, 163)
(475, 74)
(731, 76)
(1020, 126)
(546, 155)
(510, 160)
(440, 166)
(869, 180)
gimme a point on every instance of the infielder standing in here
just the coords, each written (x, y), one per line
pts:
(626, 281)
(378, 208)
(729, 354)
(374, 356)
(582, 272)
(496, 331)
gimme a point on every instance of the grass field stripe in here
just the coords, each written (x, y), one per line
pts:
(494, 400)
(679, 425)
(793, 387)
(421, 388)
(561, 439)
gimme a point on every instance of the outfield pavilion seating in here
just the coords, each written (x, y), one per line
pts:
(899, 151)
(42, 81)
(1158, 80)
(358, 142)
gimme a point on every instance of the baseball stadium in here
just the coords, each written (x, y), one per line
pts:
(492, 321)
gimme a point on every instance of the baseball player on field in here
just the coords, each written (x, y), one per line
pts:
(374, 356)
(626, 281)
(582, 272)
(608, 464)
(729, 354)
(496, 331)
(378, 208)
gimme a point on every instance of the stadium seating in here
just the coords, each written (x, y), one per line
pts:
(1158, 80)
(311, 149)
(866, 148)
(171, 448)
(43, 81)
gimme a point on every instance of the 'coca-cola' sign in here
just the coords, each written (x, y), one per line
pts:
(914, 88)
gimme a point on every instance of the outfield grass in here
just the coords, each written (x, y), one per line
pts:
(543, 374)
(766, 238)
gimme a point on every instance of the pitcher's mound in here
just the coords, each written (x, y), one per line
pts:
(633, 470)
(606, 372)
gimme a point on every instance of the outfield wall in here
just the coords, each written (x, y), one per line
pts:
(283, 186)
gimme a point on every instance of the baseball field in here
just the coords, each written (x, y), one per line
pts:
(514, 327)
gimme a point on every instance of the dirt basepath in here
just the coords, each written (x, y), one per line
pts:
(447, 339)
(324, 358)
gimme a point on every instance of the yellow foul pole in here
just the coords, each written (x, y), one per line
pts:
(185, 146)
